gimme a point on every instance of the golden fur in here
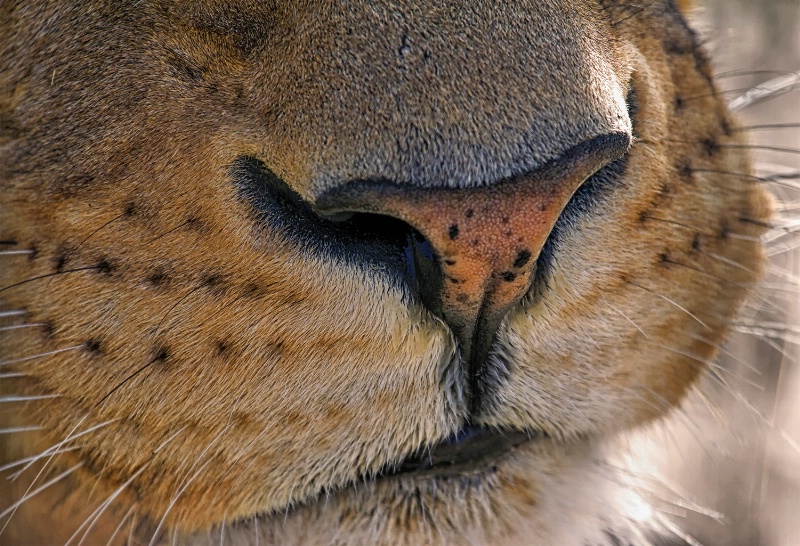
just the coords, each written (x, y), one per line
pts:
(206, 370)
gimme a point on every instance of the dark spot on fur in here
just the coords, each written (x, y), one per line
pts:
(710, 146)
(685, 169)
(726, 127)
(93, 347)
(34, 252)
(452, 232)
(61, 261)
(696, 242)
(475, 242)
(663, 258)
(130, 209)
(724, 231)
(504, 219)
(470, 213)
(453, 280)
(522, 258)
(160, 354)
(462, 298)
(214, 282)
(679, 103)
(450, 262)
(158, 279)
(664, 188)
(250, 290)
(49, 329)
(644, 216)
(105, 267)
(221, 347)
(508, 276)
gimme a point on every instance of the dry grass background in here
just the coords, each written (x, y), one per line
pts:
(734, 460)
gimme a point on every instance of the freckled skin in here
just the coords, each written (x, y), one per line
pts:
(212, 364)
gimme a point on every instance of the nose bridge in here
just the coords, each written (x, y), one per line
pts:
(441, 93)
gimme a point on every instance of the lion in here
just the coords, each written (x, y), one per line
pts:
(358, 273)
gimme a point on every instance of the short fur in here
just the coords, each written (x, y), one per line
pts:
(209, 372)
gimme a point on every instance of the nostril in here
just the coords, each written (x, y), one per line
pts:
(361, 238)
(420, 266)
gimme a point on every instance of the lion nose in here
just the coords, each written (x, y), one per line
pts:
(485, 239)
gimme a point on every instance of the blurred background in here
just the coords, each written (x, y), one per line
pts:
(733, 466)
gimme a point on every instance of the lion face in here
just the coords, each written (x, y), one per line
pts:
(381, 273)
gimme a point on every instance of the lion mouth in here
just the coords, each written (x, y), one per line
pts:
(472, 449)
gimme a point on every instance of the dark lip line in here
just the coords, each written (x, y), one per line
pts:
(470, 450)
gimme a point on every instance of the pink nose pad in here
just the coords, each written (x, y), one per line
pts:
(486, 238)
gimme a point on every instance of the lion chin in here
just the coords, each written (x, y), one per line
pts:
(370, 272)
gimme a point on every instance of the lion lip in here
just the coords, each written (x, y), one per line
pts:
(472, 449)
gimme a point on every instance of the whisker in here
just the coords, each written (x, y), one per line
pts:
(766, 126)
(730, 146)
(128, 514)
(92, 519)
(775, 330)
(175, 499)
(171, 309)
(15, 313)
(130, 530)
(49, 275)
(59, 448)
(16, 252)
(171, 230)
(18, 326)
(40, 355)
(15, 430)
(663, 297)
(28, 495)
(741, 73)
(766, 91)
(628, 319)
(15, 399)
(18, 462)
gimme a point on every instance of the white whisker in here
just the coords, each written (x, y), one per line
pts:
(15, 399)
(28, 495)
(57, 448)
(15, 252)
(40, 355)
(92, 519)
(16, 313)
(15, 430)
(128, 514)
(175, 499)
(19, 462)
(18, 326)
(781, 331)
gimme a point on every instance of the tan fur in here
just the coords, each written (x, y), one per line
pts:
(239, 375)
